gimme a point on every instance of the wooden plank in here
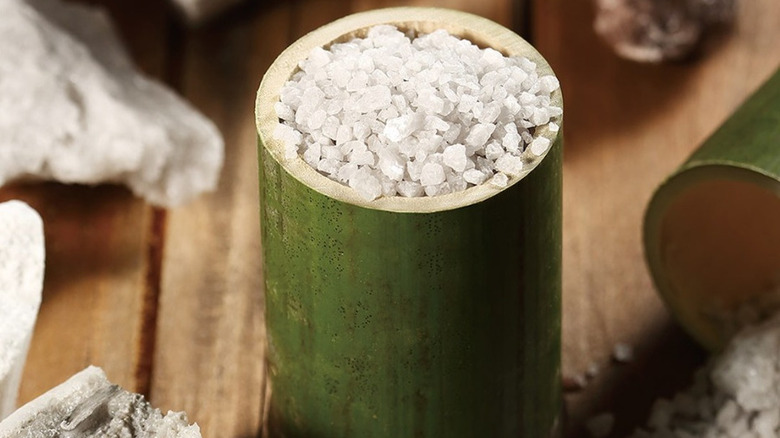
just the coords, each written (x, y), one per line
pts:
(209, 358)
(96, 264)
(627, 127)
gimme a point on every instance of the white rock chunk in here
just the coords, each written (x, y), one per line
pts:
(73, 108)
(88, 406)
(21, 282)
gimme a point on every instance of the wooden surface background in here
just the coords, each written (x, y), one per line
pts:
(169, 303)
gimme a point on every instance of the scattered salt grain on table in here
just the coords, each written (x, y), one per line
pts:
(623, 352)
(21, 282)
(737, 395)
(425, 115)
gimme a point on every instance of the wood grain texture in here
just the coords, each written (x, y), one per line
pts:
(96, 246)
(210, 333)
(628, 126)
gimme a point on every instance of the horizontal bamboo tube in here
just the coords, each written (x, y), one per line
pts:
(712, 229)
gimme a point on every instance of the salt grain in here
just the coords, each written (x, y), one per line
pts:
(455, 157)
(623, 352)
(393, 115)
(736, 395)
(432, 174)
(539, 146)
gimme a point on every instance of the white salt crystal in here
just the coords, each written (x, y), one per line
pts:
(366, 184)
(623, 352)
(391, 164)
(410, 189)
(479, 134)
(493, 151)
(73, 108)
(343, 134)
(553, 127)
(426, 115)
(362, 158)
(548, 84)
(509, 164)
(332, 153)
(499, 180)
(346, 172)
(474, 176)
(539, 146)
(414, 168)
(490, 113)
(374, 98)
(455, 157)
(284, 112)
(21, 281)
(593, 370)
(329, 166)
(432, 174)
(318, 58)
(313, 154)
(401, 127)
(492, 57)
(511, 141)
(317, 119)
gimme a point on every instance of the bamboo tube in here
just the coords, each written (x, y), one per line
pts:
(712, 230)
(436, 317)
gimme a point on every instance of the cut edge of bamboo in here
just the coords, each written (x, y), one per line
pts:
(480, 31)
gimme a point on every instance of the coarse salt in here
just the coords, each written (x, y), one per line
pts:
(391, 114)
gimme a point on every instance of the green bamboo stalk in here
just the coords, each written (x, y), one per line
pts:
(733, 178)
(425, 317)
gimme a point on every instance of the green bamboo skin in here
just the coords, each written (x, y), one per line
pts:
(744, 150)
(411, 317)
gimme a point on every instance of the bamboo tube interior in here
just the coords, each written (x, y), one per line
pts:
(482, 32)
(719, 248)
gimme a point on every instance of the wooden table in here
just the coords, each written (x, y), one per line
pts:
(170, 304)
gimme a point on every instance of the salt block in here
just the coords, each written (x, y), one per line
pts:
(198, 11)
(87, 405)
(21, 281)
(656, 31)
(73, 108)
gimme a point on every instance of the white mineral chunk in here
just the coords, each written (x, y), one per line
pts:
(499, 180)
(21, 281)
(432, 174)
(455, 157)
(539, 146)
(88, 406)
(73, 108)
(509, 164)
(366, 184)
(623, 352)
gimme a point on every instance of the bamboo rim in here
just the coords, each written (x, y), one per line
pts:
(481, 31)
(705, 331)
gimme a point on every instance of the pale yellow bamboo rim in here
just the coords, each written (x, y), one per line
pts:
(479, 30)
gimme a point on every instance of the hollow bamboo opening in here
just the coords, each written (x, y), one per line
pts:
(718, 250)
(482, 32)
